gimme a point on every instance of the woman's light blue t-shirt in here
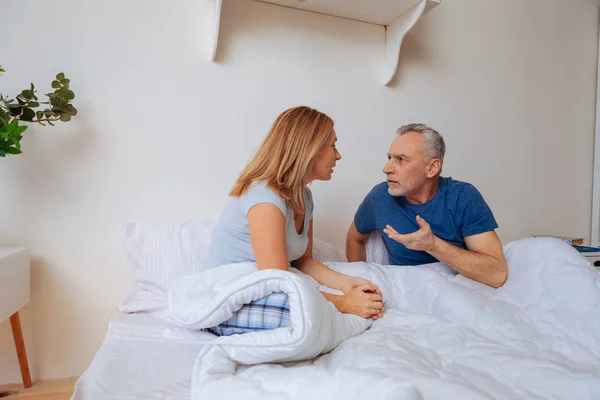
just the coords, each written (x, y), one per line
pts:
(230, 241)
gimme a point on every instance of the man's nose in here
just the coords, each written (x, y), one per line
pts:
(386, 168)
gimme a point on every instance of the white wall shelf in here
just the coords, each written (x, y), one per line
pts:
(396, 17)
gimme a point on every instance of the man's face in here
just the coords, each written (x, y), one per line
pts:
(407, 165)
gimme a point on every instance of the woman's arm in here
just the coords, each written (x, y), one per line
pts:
(267, 235)
(322, 274)
(361, 297)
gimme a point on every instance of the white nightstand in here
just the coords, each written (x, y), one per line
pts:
(14, 294)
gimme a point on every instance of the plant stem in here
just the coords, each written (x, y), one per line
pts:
(45, 120)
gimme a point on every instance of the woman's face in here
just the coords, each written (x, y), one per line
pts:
(324, 161)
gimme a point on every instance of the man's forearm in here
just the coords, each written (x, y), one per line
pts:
(479, 267)
(356, 250)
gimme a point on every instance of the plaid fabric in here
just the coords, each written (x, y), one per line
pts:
(270, 312)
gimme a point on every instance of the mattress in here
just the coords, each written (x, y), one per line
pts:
(143, 356)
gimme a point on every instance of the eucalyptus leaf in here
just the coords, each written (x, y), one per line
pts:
(27, 115)
(14, 110)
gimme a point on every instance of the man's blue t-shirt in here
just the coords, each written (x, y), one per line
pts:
(457, 210)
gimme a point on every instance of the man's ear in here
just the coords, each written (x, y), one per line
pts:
(433, 168)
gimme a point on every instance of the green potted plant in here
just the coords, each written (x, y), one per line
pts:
(26, 108)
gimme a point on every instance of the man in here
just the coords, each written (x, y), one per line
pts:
(425, 218)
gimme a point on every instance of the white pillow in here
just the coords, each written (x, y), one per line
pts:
(376, 251)
(161, 252)
(324, 252)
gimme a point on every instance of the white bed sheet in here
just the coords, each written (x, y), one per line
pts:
(144, 356)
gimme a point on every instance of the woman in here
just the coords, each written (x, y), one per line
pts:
(268, 220)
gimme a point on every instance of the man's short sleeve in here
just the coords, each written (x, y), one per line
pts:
(477, 216)
(364, 219)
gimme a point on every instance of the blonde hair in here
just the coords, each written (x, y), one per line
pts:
(286, 154)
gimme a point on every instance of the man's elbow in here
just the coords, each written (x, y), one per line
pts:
(356, 242)
(500, 275)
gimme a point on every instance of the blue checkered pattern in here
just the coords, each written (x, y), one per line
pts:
(270, 312)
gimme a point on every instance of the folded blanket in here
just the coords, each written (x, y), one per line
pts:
(206, 299)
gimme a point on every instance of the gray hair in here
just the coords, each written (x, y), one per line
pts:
(436, 147)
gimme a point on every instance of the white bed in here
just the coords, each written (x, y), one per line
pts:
(443, 336)
(144, 356)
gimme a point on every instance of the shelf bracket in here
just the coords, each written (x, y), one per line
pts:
(395, 33)
(213, 15)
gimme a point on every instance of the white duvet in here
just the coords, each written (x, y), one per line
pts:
(441, 337)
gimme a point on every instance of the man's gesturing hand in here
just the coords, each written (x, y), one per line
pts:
(423, 239)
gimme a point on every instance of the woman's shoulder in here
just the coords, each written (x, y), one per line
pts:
(261, 188)
(261, 192)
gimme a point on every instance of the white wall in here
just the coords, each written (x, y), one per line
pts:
(162, 133)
